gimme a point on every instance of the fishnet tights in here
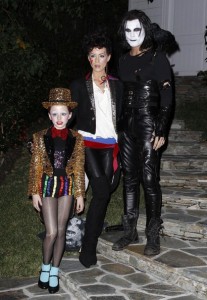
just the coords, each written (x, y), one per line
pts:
(55, 213)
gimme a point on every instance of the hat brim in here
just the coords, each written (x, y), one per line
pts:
(69, 104)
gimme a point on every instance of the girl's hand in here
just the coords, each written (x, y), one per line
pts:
(37, 202)
(79, 204)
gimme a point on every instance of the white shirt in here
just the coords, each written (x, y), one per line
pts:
(104, 125)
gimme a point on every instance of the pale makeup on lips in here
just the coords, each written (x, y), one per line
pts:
(134, 33)
(59, 115)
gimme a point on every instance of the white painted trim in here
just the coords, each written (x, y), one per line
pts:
(205, 46)
(168, 14)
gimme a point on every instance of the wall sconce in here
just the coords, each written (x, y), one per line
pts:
(150, 1)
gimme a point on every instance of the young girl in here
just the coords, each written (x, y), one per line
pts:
(56, 174)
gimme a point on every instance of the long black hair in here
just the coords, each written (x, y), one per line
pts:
(155, 37)
(145, 22)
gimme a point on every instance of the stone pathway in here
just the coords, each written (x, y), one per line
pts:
(108, 280)
(181, 263)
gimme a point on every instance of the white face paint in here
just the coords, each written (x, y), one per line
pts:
(134, 33)
(59, 115)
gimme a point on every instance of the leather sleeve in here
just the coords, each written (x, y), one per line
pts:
(163, 121)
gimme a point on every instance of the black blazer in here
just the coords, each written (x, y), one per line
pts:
(82, 92)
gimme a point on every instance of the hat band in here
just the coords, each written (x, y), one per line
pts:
(56, 100)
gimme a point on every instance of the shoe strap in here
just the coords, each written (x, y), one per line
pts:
(44, 271)
(54, 276)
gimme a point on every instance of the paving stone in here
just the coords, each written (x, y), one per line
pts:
(193, 235)
(199, 272)
(178, 124)
(104, 260)
(87, 276)
(69, 265)
(174, 243)
(41, 292)
(137, 295)
(197, 213)
(204, 222)
(188, 297)
(8, 283)
(111, 236)
(180, 217)
(139, 278)
(197, 244)
(119, 269)
(115, 281)
(204, 258)
(12, 295)
(55, 297)
(162, 289)
(98, 289)
(108, 298)
(179, 259)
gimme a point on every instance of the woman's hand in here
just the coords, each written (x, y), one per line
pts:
(79, 204)
(37, 202)
(158, 141)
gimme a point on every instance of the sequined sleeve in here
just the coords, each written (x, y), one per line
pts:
(79, 173)
(36, 167)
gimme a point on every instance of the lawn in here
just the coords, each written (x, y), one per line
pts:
(20, 250)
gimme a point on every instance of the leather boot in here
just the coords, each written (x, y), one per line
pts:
(153, 237)
(130, 233)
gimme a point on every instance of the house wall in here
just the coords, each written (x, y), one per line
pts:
(186, 19)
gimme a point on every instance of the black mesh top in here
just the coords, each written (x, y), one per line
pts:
(59, 157)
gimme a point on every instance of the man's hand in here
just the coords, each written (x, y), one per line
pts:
(158, 141)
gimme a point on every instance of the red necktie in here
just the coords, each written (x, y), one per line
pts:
(62, 133)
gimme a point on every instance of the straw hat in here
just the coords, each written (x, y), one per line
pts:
(59, 96)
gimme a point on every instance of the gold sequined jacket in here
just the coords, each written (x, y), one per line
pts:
(42, 161)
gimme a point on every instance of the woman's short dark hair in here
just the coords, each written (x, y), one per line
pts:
(97, 39)
(145, 22)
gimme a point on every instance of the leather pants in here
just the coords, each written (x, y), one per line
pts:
(140, 163)
(99, 169)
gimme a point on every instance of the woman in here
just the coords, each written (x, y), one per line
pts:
(99, 106)
(148, 93)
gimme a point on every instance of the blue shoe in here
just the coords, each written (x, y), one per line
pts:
(53, 281)
(43, 281)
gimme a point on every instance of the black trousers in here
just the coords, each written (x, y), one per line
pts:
(140, 163)
(99, 169)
